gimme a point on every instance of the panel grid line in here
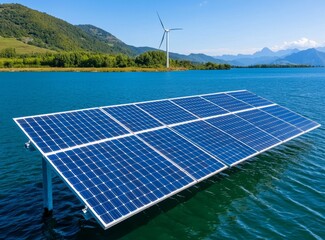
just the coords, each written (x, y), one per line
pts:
(293, 113)
(214, 104)
(203, 150)
(189, 140)
(221, 115)
(132, 117)
(231, 136)
(240, 100)
(74, 190)
(104, 171)
(145, 140)
(281, 119)
(199, 109)
(58, 127)
(83, 126)
(77, 111)
(223, 146)
(121, 159)
(167, 112)
(227, 102)
(163, 155)
(244, 131)
(258, 119)
(252, 102)
(109, 115)
(257, 126)
(153, 129)
(185, 110)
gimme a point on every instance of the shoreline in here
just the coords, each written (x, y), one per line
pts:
(55, 69)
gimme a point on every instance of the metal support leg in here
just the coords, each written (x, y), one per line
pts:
(47, 187)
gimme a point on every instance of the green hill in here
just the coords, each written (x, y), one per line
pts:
(107, 38)
(44, 31)
(20, 47)
(110, 39)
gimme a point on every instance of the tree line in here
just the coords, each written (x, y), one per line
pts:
(151, 59)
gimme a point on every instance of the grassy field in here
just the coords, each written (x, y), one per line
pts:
(21, 48)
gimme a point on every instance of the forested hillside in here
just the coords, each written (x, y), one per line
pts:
(108, 39)
(42, 30)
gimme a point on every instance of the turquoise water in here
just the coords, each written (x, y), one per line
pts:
(276, 195)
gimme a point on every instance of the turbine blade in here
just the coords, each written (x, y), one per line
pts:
(161, 22)
(162, 39)
(175, 29)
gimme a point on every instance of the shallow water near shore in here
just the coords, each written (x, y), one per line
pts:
(279, 194)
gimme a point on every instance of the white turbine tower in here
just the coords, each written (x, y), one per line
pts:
(166, 32)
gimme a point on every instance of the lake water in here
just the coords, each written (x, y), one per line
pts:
(279, 194)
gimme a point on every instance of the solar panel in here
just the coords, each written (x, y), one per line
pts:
(117, 178)
(227, 102)
(133, 117)
(250, 98)
(199, 106)
(274, 126)
(224, 147)
(286, 115)
(192, 159)
(55, 132)
(120, 160)
(244, 131)
(166, 112)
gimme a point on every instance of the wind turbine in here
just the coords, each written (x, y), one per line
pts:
(166, 32)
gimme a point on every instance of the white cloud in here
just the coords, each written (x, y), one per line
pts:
(302, 43)
(203, 3)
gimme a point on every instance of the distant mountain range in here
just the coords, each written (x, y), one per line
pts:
(311, 56)
(45, 31)
(308, 57)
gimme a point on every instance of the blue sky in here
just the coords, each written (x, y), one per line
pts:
(213, 27)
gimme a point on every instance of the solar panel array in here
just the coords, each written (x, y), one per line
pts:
(120, 160)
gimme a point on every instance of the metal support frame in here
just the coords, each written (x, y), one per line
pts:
(86, 213)
(47, 187)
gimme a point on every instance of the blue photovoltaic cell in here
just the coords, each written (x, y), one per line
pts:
(250, 98)
(227, 102)
(199, 106)
(291, 117)
(221, 145)
(116, 178)
(195, 161)
(60, 131)
(117, 173)
(166, 112)
(244, 131)
(133, 117)
(270, 124)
